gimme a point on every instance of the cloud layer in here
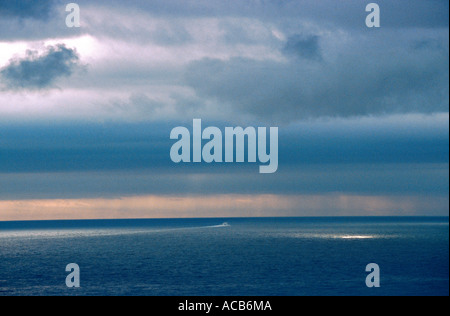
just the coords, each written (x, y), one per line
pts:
(362, 113)
(26, 8)
(264, 61)
(353, 80)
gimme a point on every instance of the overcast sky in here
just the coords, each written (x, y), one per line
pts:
(86, 113)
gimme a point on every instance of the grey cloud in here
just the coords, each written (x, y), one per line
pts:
(287, 16)
(140, 107)
(86, 160)
(173, 35)
(365, 77)
(140, 146)
(304, 47)
(40, 71)
(137, 104)
(429, 44)
(390, 179)
(40, 9)
(350, 13)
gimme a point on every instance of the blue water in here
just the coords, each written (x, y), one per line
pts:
(284, 256)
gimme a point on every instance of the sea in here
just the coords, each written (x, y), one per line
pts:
(227, 257)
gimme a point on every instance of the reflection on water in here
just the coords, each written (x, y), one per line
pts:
(78, 233)
(35, 234)
(336, 236)
(357, 237)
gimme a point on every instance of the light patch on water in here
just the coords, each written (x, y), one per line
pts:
(356, 237)
(221, 225)
(79, 233)
(337, 236)
(66, 233)
(346, 236)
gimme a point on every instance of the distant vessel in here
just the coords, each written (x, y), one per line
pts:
(225, 224)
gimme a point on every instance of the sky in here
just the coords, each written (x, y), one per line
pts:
(86, 113)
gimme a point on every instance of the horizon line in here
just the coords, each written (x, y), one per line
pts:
(234, 217)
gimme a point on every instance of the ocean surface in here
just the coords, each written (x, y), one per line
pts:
(263, 256)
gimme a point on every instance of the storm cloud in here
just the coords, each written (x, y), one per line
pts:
(304, 47)
(37, 71)
(26, 8)
(356, 79)
(362, 112)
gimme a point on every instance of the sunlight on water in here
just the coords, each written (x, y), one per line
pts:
(337, 236)
(73, 233)
(356, 237)
(80, 233)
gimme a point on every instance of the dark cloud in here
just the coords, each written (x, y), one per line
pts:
(304, 47)
(35, 9)
(351, 13)
(140, 146)
(116, 159)
(330, 14)
(366, 179)
(365, 77)
(40, 71)
(34, 20)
